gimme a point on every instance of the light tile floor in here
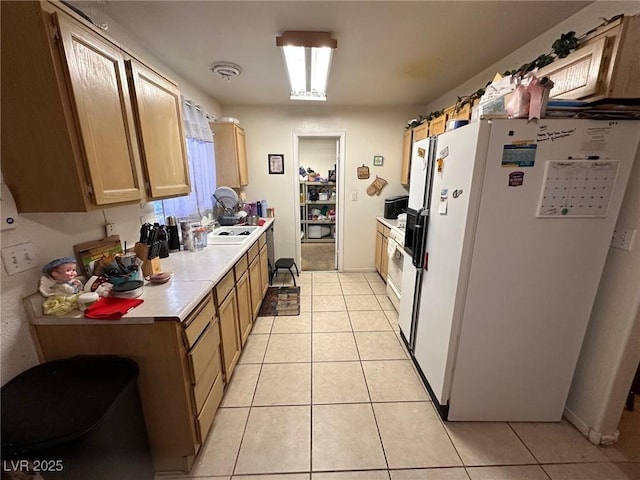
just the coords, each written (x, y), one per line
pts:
(332, 395)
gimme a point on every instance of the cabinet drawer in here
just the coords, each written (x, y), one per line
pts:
(205, 419)
(198, 320)
(379, 227)
(200, 355)
(202, 388)
(224, 286)
(241, 267)
(386, 231)
(262, 241)
(253, 251)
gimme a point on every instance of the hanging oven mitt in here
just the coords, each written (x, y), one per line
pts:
(376, 187)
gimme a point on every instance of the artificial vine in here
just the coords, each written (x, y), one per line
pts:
(561, 48)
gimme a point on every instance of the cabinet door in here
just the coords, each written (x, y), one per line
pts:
(384, 258)
(379, 252)
(229, 333)
(231, 156)
(264, 271)
(255, 281)
(98, 85)
(156, 102)
(405, 167)
(245, 312)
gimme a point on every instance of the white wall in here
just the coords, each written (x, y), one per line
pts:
(368, 132)
(611, 349)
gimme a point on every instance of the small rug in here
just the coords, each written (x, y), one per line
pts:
(281, 301)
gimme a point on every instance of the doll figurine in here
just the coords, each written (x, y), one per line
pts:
(60, 278)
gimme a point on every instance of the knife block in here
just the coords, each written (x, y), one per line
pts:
(150, 266)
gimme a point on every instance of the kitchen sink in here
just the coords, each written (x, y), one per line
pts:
(230, 235)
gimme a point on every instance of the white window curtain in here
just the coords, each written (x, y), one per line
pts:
(202, 168)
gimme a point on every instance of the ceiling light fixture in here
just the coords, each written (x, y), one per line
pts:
(307, 56)
(226, 70)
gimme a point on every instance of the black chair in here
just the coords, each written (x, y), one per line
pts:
(285, 263)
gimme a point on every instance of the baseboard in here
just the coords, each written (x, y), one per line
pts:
(594, 436)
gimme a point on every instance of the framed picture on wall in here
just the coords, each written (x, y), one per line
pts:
(377, 160)
(276, 163)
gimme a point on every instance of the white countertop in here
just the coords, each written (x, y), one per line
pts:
(194, 276)
(388, 221)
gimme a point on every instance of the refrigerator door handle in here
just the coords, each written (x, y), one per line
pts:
(420, 241)
(418, 251)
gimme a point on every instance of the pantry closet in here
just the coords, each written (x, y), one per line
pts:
(318, 188)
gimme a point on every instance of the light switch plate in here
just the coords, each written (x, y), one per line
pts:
(19, 258)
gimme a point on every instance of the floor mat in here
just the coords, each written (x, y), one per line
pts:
(281, 301)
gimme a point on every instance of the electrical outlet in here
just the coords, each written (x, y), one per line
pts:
(623, 238)
(354, 196)
(110, 229)
(19, 258)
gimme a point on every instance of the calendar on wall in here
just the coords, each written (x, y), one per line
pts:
(577, 188)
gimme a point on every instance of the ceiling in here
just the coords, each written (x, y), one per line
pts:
(389, 52)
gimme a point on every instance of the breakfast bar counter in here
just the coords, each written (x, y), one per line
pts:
(194, 274)
(186, 337)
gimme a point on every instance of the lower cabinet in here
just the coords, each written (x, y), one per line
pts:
(184, 366)
(180, 379)
(264, 271)
(227, 303)
(243, 292)
(255, 280)
(382, 259)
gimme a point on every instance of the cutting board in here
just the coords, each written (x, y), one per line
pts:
(88, 252)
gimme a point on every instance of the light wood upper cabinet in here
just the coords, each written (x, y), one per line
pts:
(405, 167)
(231, 155)
(69, 136)
(157, 105)
(98, 85)
(605, 66)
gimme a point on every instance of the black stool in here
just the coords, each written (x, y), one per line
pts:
(81, 415)
(285, 263)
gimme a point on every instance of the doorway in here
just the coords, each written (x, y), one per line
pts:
(319, 199)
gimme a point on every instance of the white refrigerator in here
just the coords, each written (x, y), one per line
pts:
(512, 237)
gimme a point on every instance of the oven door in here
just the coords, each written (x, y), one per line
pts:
(394, 272)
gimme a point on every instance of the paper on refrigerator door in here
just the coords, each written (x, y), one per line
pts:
(577, 188)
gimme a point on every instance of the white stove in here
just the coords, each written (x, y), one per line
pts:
(397, 234)
(396, 253)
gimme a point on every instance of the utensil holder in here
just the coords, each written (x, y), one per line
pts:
(150, 266)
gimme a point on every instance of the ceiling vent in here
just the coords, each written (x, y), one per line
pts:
(226, 70)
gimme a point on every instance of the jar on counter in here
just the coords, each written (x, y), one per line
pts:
(85, 300)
